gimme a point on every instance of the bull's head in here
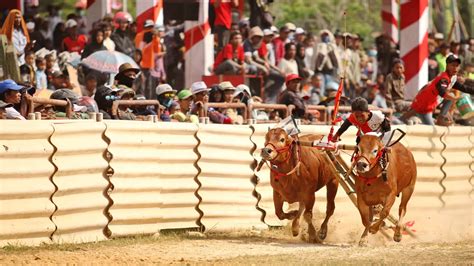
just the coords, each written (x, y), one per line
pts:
(277, 141)
(369, 151)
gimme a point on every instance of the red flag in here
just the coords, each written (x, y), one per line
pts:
(336, 102)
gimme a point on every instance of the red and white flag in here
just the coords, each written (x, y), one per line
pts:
(390, 18)
(199, 45)
(97, 9)
(151, 9)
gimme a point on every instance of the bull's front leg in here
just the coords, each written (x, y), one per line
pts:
(374, 228)
(278, 203)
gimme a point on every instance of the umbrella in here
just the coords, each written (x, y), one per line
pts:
(107, 61)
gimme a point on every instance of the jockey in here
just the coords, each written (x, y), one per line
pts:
(364, 119)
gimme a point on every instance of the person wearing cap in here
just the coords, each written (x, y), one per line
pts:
(185, 101)
(268, 36)
(10, 93)
(290, 96)
(325, 61)
(78, 112)
(104, 97)
(223, 20)
(58, 81)
(426, 100)
(442, 56)
(121, 37)
(126, 76)
(228, 91)
(242, 94)
(364, 119)
(300, 35)
(200, 92)
(165, 95)
(3, 106)
(74, 42)
(96, 44)
(279, 43)
(395, 88)
(15, 29)
(230, 60)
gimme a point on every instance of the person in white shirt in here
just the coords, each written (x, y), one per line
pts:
(15, 29)
(288, 63)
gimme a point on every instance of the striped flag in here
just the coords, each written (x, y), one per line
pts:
(96, 9)
(199, 45)
(414, 44)
(151, 9)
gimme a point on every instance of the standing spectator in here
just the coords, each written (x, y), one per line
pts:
(309, 51)
(51, 65)
(268, 36)
(288, 63)
(185, 100)
(300, 35)
(108, 43)
(96, 44)
(290, 96)
(74, 42)
(441, 57)
(28, 68)
(325, 58)
(15, 29)
(303, 70)
(395, 88)
(59, 34)
(40, 75)
(279, 43)
(149, 43)
(35, 36)
(121, 37)
(223, 21)
(230, 60)
(10, 94)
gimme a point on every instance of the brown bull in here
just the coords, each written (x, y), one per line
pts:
(374, 186)
(297, 172)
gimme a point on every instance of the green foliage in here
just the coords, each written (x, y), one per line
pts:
(362, 16)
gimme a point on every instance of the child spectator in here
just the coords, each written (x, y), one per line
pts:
(29, 67)
(395, 88)
(365, 120)
(40, 75)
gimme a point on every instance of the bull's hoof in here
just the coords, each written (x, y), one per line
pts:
(322, 233)
(397, 237)
(374, 228)
(363, 242)
(295, 232)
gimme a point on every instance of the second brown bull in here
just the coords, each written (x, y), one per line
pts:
(297, 172)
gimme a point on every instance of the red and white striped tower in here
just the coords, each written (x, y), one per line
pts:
(414, 44)
(390, 17)
(151, 9)
(199, 45)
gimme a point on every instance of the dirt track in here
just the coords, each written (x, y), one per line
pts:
(267, 247)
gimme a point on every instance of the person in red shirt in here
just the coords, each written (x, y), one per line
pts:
(426, 100)
(223, 20)
(73, 42)
(279, 44)
(364, 119)
(230, 60)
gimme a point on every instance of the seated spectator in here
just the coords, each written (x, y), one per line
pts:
(228, 91)
(90, 85)
(78, 112)
(51, 66)
(165, 95)
(40, 75)
(375, 98)
(74, 42)
(230, 60)
(10, 93)
(185, 101)
(59, 81)
(259, 114)
(288, 63)
(3, 106)
(104, 97)
(290, 96)
(96, 44)
(316, 92)
(216, 94)
(124, 111)
(201, 98)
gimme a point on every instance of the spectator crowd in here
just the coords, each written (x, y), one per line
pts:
(297, 68)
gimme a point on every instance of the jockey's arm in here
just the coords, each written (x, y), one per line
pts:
(341, 130)
(385, 126)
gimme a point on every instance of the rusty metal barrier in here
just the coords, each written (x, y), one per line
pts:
(347, 109)
(116, 104)
(81, 181)
(225, 178)
(25, 182)
(241, 106)
(34, 102)
(260, 106)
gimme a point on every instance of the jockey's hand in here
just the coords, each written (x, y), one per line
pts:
(335, 138)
